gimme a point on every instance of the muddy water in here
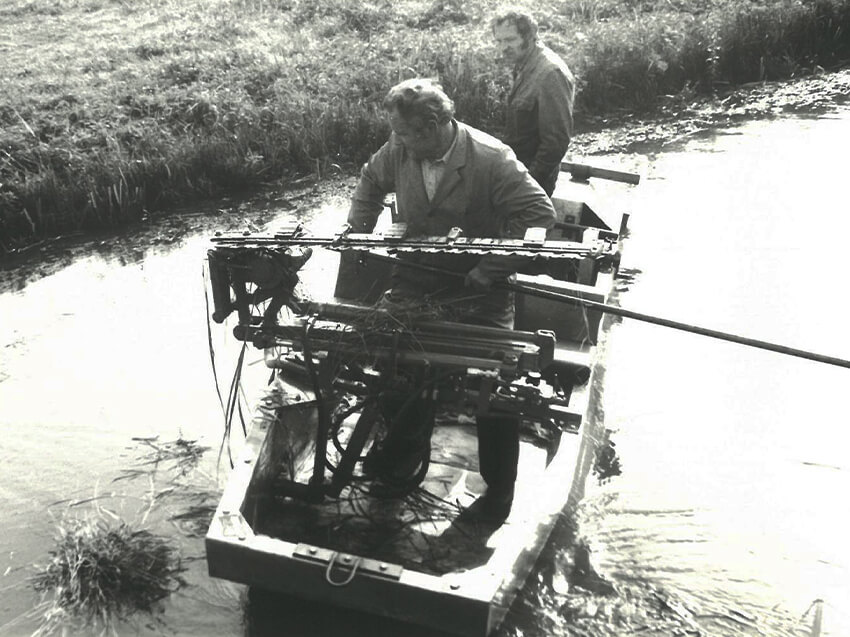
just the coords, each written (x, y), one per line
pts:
(104, 364)
(736, 461)
(732, 503)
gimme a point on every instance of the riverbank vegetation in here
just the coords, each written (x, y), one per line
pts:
(113, 108)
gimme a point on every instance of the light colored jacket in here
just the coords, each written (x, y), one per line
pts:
(484, 191)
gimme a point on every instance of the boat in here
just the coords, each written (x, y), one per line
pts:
(299, 515)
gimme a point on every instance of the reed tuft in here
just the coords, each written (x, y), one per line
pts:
(103, 571)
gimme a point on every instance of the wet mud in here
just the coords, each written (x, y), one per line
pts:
(686, 115)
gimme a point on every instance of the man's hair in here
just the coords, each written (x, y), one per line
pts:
(524, 22)
(420, 101)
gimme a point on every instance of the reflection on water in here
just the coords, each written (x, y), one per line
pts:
(734, 457)
(729, 516)
(264, 613)
(102, 343)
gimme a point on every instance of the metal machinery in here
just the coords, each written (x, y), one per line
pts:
(349, 356)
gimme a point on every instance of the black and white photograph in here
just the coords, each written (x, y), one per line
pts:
(424, 318)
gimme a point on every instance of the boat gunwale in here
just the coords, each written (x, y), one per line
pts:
(447, 602)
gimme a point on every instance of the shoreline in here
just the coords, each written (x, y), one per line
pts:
(116, 113)
(812, 95)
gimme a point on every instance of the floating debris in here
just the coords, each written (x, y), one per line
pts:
(176, 462)
(179, 457)
(606, 463)
(103, 572)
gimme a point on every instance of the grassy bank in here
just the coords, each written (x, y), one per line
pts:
(111, 108)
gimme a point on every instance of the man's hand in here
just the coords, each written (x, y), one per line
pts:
(477, 280)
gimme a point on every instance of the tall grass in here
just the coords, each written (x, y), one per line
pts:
(113, 108)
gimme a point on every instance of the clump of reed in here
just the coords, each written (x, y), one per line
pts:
(102, 572)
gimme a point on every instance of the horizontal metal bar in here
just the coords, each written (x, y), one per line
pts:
(365, 565)
(550, 248)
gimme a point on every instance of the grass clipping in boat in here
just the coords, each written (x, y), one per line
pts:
(104, 571)
(400, 314)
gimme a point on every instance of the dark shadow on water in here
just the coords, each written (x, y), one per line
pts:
(132, 244)
(269, 614)
(607, 464)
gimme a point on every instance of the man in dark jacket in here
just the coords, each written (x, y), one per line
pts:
(540, 103)
(446, 174)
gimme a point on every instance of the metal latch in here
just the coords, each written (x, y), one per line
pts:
(395, 232)
(534, 237)
(454, 234)
(345, 561)
(288, 230)
(340, 234)
(233, 525)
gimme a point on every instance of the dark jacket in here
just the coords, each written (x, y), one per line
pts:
(540, 114)
(484, 191)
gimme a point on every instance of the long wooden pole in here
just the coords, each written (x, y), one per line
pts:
(639, 316)
(657, 320)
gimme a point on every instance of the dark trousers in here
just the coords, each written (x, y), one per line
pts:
(498, 442)
(410, 421)
(408, 442)
(547, 182)
(498, 452)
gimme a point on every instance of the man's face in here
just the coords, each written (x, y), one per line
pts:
(509, 42)
(422, 144)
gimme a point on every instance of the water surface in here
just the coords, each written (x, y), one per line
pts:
(736, 461)
(733, 498)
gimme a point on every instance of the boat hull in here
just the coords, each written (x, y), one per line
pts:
(442, 567)
(471, 600)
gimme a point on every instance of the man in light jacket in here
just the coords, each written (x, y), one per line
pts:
(446, 174)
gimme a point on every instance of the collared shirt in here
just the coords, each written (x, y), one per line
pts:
(432, 170)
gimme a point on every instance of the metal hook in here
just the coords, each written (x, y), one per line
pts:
(348, 579)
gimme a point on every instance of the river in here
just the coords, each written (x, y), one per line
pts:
(732, 503)
(736, 460)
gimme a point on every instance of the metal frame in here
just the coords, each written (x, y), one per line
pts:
(469, 603)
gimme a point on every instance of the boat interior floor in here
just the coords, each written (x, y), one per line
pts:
(433, 529)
